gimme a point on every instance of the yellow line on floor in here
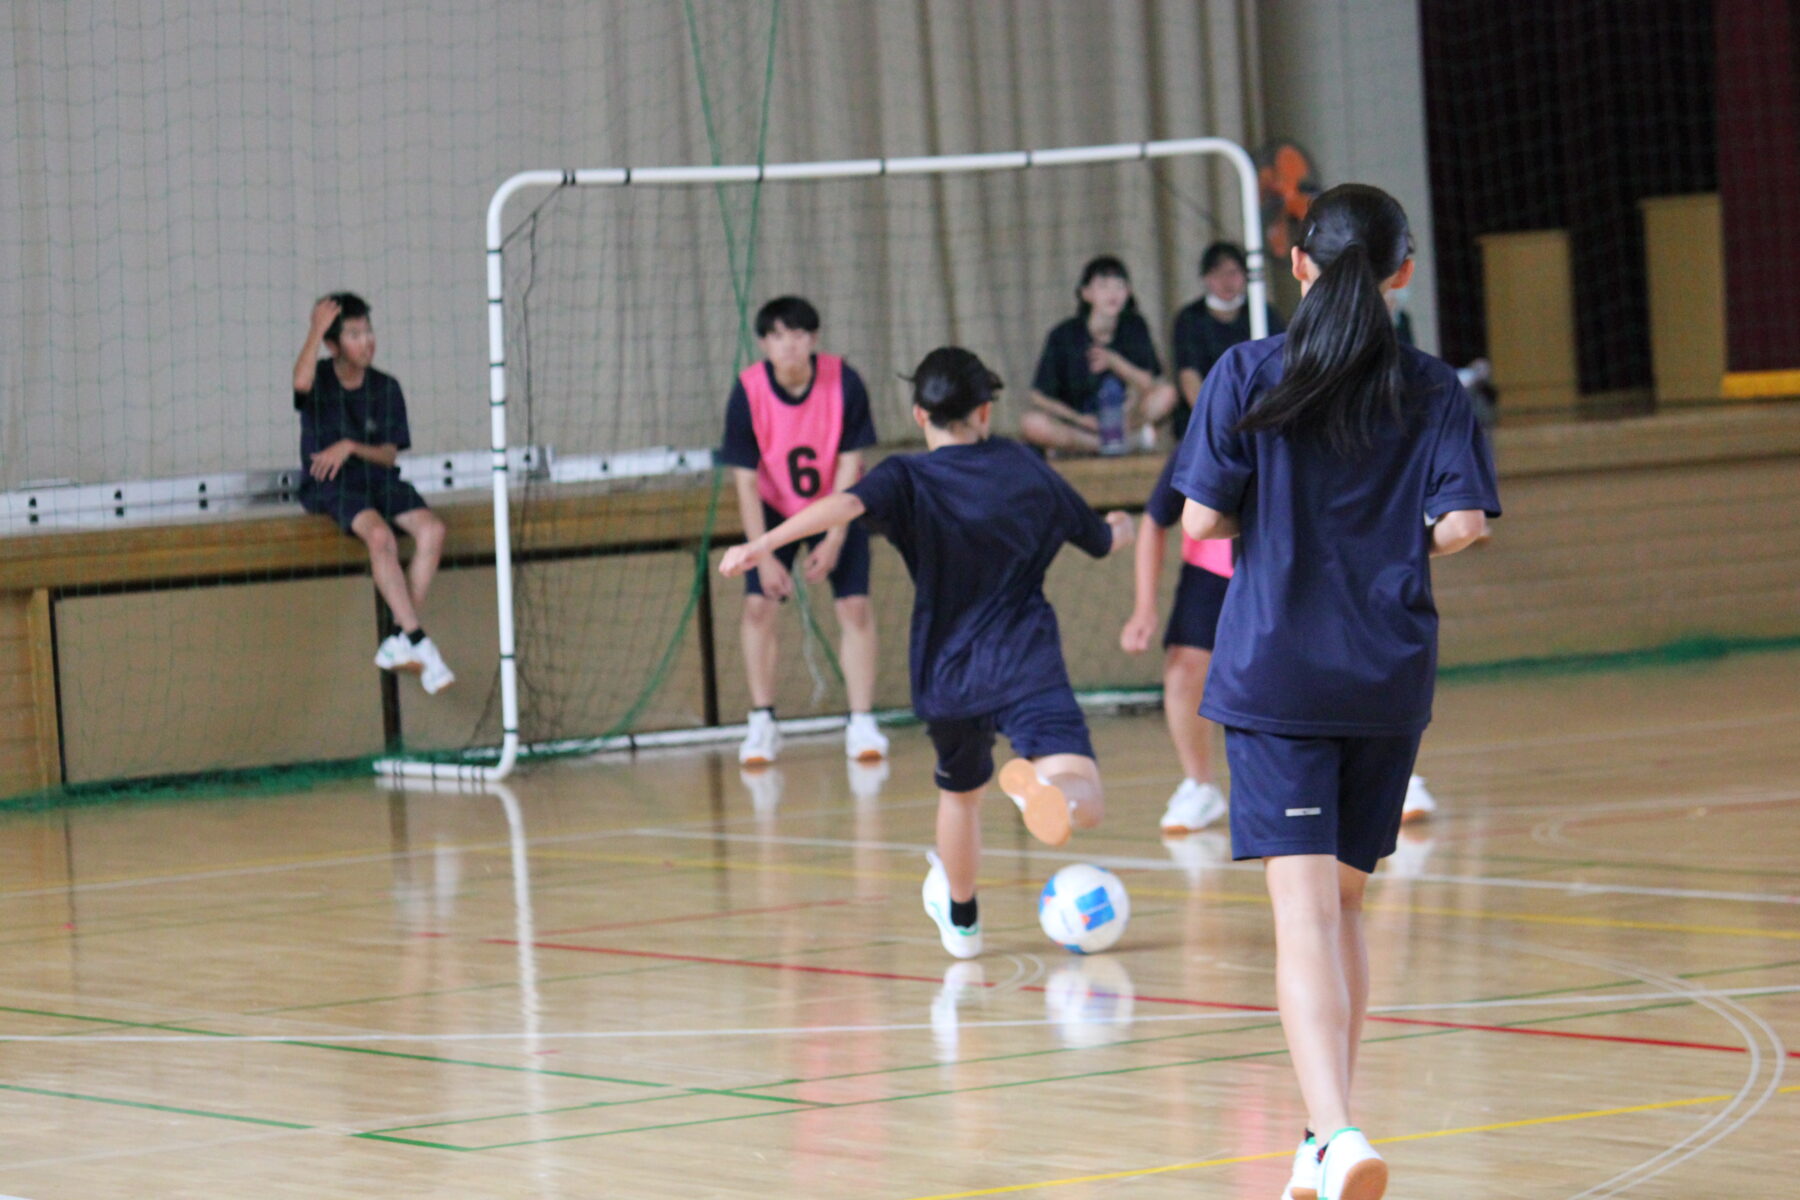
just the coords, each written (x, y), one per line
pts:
(1141, 1172)
(708, 864)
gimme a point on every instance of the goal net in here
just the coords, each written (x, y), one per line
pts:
(621, 305)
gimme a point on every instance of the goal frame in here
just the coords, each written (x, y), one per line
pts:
(690, 176)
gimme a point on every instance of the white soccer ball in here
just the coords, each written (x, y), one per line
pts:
(1084, 908)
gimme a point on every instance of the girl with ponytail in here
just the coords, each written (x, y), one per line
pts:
(1343, 462)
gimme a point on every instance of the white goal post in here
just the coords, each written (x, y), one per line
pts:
(690, 176)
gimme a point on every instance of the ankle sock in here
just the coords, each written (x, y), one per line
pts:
(963, 913)
(767, 709)
(416, 636)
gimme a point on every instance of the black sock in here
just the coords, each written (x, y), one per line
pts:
(416, 636)
(962, 913)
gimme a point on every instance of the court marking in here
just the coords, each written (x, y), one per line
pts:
(1163, 865)
(1688, 996)
(810, 968)
(144, 1104)
(719, 915)
(1497, 1126)
(1117, 862)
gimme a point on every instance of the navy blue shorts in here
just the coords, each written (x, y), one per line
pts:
(849, 578)
(1198, 598)
(1048, 722)
(1318, 795)
(389, 498)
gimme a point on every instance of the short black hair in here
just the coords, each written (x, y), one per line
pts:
(350, 307)
(794, 312)
(1218, 252)
(950, 383)
(1102, 266)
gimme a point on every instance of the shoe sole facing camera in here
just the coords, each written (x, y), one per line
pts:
(1366, 1180)
(1045, 807)
(1364, 1177)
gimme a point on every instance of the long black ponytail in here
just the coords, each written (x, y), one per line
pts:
(1340, 368)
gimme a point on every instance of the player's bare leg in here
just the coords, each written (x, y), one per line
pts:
(1184, 684)
(1313, 984)
(959, 840)
(1042, 429)
(427, 530)
(384, 565)
(761, 645)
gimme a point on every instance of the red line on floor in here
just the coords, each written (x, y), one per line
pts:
(715, 916)
(811, 969)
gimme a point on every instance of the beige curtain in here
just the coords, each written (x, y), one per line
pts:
(182, 178)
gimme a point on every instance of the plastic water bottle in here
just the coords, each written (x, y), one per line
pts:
(1111, 397)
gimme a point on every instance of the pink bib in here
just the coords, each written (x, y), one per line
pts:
(1214, 554)
(797, 444)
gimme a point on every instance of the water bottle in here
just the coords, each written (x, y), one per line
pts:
(1111, 398)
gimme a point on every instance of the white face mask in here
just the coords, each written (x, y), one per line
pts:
(1224, 306)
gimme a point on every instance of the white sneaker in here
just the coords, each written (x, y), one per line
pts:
(434, 676)
(1303, 1184)
(1192, 808)
(1419, 802)
(396, 654)
(762, 743)
(1350, 1169)
(863, 741)
(960, 942)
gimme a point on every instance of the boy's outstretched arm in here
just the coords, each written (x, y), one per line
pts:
(839, 508)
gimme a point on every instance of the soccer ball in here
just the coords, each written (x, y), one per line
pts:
(1084, 908)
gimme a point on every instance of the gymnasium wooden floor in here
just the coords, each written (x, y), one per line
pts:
(1587, 973)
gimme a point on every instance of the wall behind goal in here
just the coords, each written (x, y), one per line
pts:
(178, 180)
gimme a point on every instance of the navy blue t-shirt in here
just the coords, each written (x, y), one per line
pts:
(1062, 370)
(1329, 629)
(978, 526)
(1165, 503)
(1200, 340)
(373, 414)
(739, 448)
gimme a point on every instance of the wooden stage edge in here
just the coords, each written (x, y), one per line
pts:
(255, 547)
